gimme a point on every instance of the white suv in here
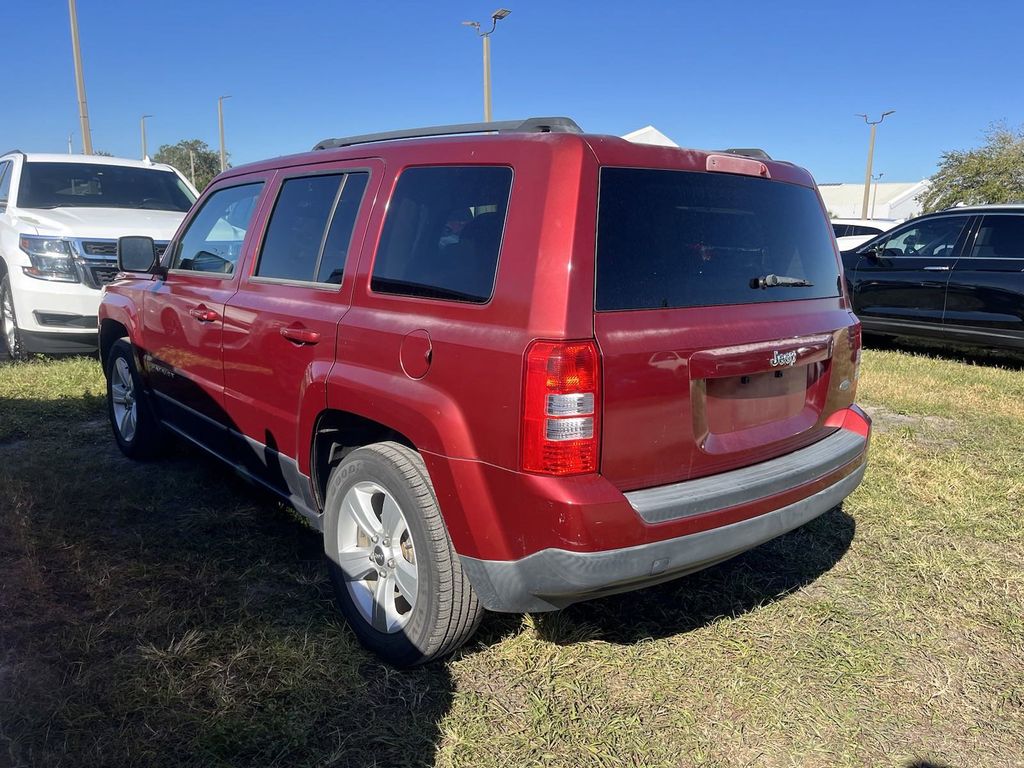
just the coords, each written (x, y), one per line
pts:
(60, 218)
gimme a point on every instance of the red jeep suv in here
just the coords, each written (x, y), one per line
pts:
(508, 366)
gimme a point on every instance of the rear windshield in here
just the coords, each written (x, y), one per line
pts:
(88, 185)
(686, 239)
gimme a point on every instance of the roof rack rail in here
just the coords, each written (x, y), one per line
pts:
(530, 125)
(759, 154)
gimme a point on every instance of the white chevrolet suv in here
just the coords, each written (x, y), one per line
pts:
(60, 218)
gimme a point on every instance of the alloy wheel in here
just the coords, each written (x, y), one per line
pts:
(122, 396)
(375, 552)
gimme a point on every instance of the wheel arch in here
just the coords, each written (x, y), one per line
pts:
(110, 332)
(336, 433)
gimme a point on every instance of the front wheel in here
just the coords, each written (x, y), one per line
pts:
(13, 342)
(135, 427)
(397, 578)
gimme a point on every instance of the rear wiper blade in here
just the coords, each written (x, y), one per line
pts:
(779, 281)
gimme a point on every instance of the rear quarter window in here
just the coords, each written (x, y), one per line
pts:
(668, 239)
(443, 232)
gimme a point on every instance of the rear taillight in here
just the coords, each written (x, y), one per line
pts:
(561, 408)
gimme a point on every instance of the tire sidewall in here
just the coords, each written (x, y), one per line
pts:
(19, 352)
(138, 447)
(409, 645)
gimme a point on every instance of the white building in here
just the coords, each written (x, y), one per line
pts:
(893, 200)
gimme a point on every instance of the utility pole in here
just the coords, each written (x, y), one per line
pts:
(871, 157)
(220, 123)
(874, 197)
(497, 16)
(142, 124)
(83, 108)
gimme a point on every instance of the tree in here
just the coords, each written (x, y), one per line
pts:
(992, 173)
(187, 151)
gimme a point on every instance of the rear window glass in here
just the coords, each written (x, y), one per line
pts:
(95, 185)
(688, 239)
(443, 232)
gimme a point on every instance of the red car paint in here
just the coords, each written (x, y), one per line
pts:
(272, 361)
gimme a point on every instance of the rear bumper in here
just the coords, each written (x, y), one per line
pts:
(554, 578)
(685, 526)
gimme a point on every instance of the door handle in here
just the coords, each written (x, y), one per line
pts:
(204, 314)
(300, 335)
(936, 269)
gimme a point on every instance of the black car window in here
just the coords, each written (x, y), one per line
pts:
(1000, 237)
(860, 229)
(213, 240)
(684, 239)
(99, 185)
(443, 232)
(295, 233)
(841, 230)
(926, 239)
(331, 266)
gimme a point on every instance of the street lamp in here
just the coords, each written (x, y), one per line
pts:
(220, 123)
(874, 198)
(83, 108)
(142, 125)
(871, 156)
(497, 16)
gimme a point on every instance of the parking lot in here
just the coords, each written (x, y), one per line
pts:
(169, 613)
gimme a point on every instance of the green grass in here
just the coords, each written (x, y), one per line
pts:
(169, 614)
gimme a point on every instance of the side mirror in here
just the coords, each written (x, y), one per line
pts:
(136, 254)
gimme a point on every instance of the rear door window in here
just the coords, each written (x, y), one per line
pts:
(1000, 237)
(310, 228)
(443, 232)
(688, 239)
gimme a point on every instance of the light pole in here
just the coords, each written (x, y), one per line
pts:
(871, 156)
(142, 124)
(874, 196)
(497, 16)
(70, 149)
(220, 123)
(83, 108)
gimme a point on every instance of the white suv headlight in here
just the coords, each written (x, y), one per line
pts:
(51, 258)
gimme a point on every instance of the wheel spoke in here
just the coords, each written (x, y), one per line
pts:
(384, 603)
(123, 425)
(131, 424)
(357, 505)
(406, 578)
(118, 394)
(355, 563)
(124, 375)
(391, 519)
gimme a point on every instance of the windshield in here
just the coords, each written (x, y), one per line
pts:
(78, 185)
(686, 239)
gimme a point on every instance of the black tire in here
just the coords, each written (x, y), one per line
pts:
(10, 334)
(446, 612)
(145, 440)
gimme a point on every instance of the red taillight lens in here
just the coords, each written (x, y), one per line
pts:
(561, 408)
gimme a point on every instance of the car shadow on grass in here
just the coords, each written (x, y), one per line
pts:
(168, 613)
(952, 351)
(762, 575)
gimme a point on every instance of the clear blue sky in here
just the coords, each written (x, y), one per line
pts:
(785, 76)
